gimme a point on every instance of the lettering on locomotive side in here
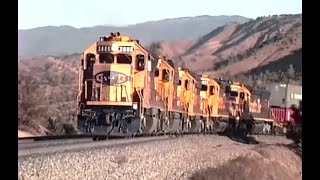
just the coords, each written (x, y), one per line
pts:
(111, 78)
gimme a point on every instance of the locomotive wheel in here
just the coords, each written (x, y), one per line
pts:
(166, 127)
(203, 126)
(90, 127)
(81, 124)
(133, 126)
(195, 126)
(142, 124)
(241, 128)
(149, 124)
(220, 126)
(170, 125)
(180, 126)
(266, 128)
(184, 126)
(188, 125)
(258, 128)
(209, 126)
(232, 125)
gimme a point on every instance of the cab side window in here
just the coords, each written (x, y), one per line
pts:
(140, 62)
(165, 75)
(242, 95)
(212, 90)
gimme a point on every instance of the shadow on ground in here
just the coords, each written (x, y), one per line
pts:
(240, 138)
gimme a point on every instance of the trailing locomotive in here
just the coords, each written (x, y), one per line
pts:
(124, 90)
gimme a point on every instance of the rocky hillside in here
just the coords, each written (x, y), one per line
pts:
(66, 39)
(47, 91)
(271, 43)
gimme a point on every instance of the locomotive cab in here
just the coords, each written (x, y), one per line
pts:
(112, 77)
(166, 80)
(188, 91)
(240, 97)
(210, 95)
(189, 87)
(166, 84)
(240, 93)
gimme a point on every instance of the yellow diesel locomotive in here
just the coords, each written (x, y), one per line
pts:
(124, 90)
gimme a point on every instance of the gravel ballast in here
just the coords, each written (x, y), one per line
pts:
(176, 158)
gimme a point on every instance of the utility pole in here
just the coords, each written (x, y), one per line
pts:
(290, 75)
(286, 92)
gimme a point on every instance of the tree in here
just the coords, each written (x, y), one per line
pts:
(30, 101)
(300, 105)
(291, 71)
(154, 48)
(250, 79)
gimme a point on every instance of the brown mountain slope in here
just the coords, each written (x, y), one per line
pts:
(67, 39)
(47, 91)
(240, 48)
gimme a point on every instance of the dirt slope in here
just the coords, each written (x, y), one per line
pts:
(239, 48)
(264, 163)
(24, 134)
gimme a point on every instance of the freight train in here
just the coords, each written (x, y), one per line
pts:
(123, 89)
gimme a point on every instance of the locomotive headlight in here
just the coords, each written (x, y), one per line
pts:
(114, 47)
(135, 106)
(149, 66)
(159, 63)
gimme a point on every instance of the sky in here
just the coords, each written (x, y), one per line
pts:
(81, 13)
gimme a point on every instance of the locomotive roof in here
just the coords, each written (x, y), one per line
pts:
(168, 62)
(123, 38)
(192, 74)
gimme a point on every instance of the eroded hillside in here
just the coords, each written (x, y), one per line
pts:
(52, 40)
(236, 48)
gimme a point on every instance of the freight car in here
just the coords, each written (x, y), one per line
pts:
(124, 90)
(284, 95)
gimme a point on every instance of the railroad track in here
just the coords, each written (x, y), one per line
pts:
(51, 144)
(63, 137)
(72, 144)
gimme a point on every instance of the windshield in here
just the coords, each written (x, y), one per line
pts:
(204, 87)
(233, 93)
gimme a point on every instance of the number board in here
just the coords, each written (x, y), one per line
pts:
(107, 48)
(204, 82)
(234, 88)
